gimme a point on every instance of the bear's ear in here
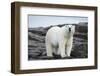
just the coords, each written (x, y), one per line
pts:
(66, 25)
(73, 25)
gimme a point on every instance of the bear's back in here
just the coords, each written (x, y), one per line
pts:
(53, 34)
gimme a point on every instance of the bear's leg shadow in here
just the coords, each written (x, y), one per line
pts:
(54, 50)
(49, 50)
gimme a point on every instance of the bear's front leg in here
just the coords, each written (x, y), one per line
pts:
(62, 49)
(69, 48)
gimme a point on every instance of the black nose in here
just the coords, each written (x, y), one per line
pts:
(69, 29)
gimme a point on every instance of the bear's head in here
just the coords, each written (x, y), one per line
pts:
(70, 28)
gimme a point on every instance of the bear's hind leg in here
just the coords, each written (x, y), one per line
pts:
(49, 50)
(62, 49)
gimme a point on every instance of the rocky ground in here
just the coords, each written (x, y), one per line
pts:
(36, 42)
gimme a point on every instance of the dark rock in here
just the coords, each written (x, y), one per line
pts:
(35, 37)
(36, 44)
(38, 31)
(81, 29)
(80, 35)
(79, 50)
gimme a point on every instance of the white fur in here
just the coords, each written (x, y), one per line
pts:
(59, 40)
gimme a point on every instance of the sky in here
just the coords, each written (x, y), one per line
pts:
(44, 21)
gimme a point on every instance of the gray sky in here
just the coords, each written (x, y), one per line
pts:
(44, 21)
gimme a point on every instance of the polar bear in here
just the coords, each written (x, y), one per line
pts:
(59, 40)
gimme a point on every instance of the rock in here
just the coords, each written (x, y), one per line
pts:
(80, 35)
(81, 29)
(38, 31)
(79, 50)
(35, 37)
